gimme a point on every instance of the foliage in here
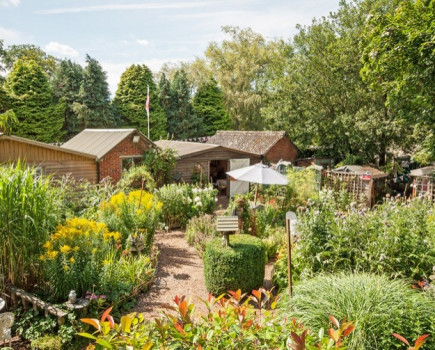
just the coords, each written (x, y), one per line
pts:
(93, 108)
(239, 205)
(39, 116)
(418, 343)
(269, 217)
(378, 306)
(8, 122)
(47, 342)
(182, 120)
(396, 238)
(200, 230)
(160, 164)
(29, 211)
(75, 255)
(239, 64)
(399, 59)
(130, 101)
(122, 278)
(137, 177)
(280, 272)
(134, 214)
(208, 104)
(80, 198)
(274, 238)
(182, 202)
(239, 266)
(233, 322)
(66, 82)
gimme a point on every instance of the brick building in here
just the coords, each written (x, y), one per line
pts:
(271, 145)
(114, 149)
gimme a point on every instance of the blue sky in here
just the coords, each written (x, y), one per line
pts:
(119, 33)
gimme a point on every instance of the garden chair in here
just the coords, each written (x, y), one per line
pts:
(6, 322)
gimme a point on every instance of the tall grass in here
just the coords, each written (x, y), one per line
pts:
(377, 305)
(28, 214)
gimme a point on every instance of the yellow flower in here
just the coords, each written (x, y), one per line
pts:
(66, 268)
(42, 257)
(106, 262)
(47, 245)
(76, 248)
(65, 249)
(52, 254)
(72, 260)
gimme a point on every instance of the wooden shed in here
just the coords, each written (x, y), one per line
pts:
(213, 161)
(115, 150)
(364, 182)
(423, 182)
(269, 145)
(47, 158)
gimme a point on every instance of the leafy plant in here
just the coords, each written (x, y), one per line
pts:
(160, 164)
(418, 343)
(200, 230)
(377, 305)
(239, 266)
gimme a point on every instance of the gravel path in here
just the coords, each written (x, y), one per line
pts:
(179, 272)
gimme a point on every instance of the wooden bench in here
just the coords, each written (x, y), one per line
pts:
(227, 225)
(27, 298)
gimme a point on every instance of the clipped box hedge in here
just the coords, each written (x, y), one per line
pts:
(240, 266)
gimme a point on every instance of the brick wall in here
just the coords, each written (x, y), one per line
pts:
(111, 164)
(284, 149)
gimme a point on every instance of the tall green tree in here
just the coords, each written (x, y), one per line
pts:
(182, 120)
(399, 61)
(66, 83)
(320, 96)
(239, 65)
(94, 109)
(30, 52)
(32, 101)
(130, 99)
(208, 104)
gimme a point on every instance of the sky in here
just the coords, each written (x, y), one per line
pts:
(121, 33)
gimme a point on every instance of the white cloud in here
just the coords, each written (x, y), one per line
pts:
(8, 34)
(143, 42)
(122, 7)
(60, 49)
(7, 3)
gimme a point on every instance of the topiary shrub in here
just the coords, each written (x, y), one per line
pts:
(240, 266)
(378, 306)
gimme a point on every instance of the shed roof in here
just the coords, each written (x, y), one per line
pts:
(360, 170)
(257, 142)
(426, 171)
(99, 142)
(44, 145)
(185, 149)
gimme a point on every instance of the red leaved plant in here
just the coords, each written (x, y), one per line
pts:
(418, 343)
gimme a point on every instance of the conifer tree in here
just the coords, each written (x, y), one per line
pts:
(66, 83)
(182, 121)
(39, 116)
(94, 109)
(130, 101)
(208, 105)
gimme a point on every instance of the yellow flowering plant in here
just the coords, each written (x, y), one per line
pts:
(74, 256)
(136, 213)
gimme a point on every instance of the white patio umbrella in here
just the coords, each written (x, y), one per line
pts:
(259, 174)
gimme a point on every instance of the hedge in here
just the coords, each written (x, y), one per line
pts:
(239, 266)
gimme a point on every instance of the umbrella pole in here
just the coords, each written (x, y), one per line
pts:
(255, 197)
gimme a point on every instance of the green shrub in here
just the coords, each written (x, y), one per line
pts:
(275, 239)
(396, 238)
(47, 342)
(240, 266)
(377, 305)
(200, 230)
(29, 212)
(303, 186)
(269, 217)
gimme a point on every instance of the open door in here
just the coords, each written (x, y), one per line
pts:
(238, 187)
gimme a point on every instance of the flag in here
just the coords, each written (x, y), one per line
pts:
(147, 103)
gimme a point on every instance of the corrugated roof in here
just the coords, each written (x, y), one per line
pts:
(257, 142)
(45, 145)
(426, 171)
(185, 148)
(360, 170)
(97, 141)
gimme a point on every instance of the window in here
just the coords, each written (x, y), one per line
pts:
(129, 162)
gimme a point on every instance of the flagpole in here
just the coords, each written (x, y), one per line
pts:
(148, 109)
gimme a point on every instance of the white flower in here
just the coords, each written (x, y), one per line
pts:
(197, 199)
(199, 204)
(216, 199)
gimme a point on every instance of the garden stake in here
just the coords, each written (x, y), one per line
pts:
(288, 217)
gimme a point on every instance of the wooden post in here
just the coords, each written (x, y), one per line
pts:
(288, 217)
